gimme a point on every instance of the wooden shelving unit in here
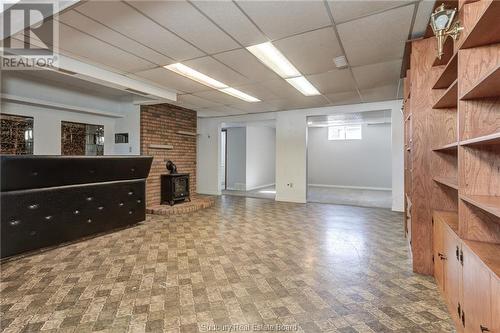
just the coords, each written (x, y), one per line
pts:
(487, 253)
(482, 140)
(486, 30)
(447, 181)
(449, 147)
(487, 86)
(449, 97)
(452, 172)
(489, 204)
(449, 74)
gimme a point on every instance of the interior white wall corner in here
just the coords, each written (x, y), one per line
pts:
(260, 157)
(291, 158)
(208, 157)
(397, 138)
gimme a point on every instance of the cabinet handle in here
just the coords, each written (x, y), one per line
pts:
(484, 328)
(442, 256)
(457, 253)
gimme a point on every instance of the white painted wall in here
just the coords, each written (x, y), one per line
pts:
(260, 157)
(365, 163)
(291, 148)
(236, 158)
(47, 120)
(208, 175)
(397, 152)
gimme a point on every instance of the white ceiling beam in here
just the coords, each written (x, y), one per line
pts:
(98, 75)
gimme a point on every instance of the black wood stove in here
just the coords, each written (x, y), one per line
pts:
(174, 186)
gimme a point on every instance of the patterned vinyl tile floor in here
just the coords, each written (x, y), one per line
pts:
(244, 265)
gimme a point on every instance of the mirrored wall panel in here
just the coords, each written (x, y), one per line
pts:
(16, 135)
(82, 139)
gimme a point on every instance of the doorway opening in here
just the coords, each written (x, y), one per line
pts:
(349, 159)
(248, 157)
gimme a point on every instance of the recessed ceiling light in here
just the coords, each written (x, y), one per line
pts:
(239, 94)
(195, 75)
(274, 59)
(270, 56)
(208, 81)
(305, 87)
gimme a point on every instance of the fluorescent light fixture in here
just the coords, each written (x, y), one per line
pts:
(208, 81)
(274, 59)
(305, 87)
(239, 94)
(195, 75)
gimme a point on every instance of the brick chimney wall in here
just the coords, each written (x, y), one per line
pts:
(160, 125)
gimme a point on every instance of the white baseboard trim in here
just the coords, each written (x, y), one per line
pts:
(209, 193)
(353, 187)
(290, 199)
(260, 186)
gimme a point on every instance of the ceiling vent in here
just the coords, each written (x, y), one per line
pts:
(133, 91)
(340, 62)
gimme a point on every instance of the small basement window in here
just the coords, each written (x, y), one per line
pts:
(344, 132)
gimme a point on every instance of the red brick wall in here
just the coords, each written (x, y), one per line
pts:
(160, 125)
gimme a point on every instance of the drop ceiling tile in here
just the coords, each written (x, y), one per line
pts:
(219, 111)
(247, 64)
(281, 88)
(125, 19)
(78, 43)
(219, 97)
(198, 102)
(376, 38)
(384, 93)
(259, 91)
(299, 103)
(169, 79)
(230, 18)
(422, 18)
(216, 70)
(311, 52)
(91, 27)
(280, 19)
(343, 10)
(343, 98)
(250, 107)
(338, 80)
(372, 76)
(186, 21)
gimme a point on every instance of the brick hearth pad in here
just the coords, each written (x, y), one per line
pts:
(198, 202)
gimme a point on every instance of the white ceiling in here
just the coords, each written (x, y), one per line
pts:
(137, 38)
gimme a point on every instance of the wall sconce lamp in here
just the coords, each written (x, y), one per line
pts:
(441, 24)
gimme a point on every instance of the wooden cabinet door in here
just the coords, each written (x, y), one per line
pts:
(438, 253)
(476, 293)
(452, 274)
(495, 305)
